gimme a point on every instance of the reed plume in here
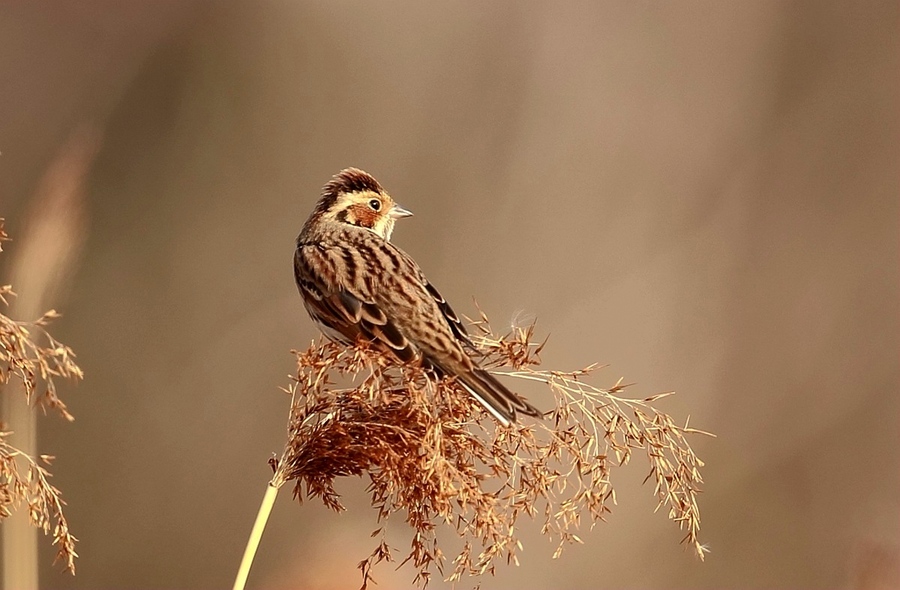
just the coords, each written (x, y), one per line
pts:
(30, 356)
(434, 456)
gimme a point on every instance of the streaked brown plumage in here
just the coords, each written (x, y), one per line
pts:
(356, 284)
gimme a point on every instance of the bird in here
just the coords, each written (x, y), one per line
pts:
(357, 285)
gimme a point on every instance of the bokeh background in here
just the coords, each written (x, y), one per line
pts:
(703, 195)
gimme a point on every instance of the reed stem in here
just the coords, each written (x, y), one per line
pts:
(259, 526)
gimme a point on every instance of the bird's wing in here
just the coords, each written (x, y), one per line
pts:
(456, 325)
(361, 288)
(457, 328)
(338, 293)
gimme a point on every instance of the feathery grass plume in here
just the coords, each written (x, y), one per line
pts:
(33, 357)
(433, 454)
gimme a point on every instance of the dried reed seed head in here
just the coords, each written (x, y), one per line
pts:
(30, 354)
(430, 453)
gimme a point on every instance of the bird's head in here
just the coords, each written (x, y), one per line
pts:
(354, 197)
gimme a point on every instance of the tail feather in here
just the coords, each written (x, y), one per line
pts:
(495, 397)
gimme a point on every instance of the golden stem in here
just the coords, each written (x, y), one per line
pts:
(262, 517)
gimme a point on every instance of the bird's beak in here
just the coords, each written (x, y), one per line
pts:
(398, 212)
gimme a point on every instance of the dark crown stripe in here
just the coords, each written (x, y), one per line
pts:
(349, 180)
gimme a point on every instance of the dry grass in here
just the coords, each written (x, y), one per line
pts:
(431, 453)
(30, 355)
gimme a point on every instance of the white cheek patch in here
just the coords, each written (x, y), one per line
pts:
(385, 227)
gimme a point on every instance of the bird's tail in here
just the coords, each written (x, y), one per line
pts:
(502, 403)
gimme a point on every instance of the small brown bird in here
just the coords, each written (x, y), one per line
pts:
(356, 284)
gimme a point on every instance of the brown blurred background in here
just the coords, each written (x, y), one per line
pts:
(702, 194)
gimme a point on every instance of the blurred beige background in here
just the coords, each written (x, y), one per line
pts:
(702, 194)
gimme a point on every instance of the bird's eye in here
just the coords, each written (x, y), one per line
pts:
(375, 204)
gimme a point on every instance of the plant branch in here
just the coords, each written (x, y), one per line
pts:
(262, 517)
